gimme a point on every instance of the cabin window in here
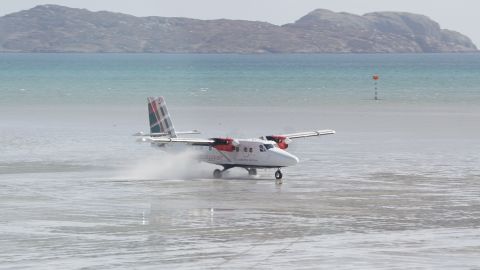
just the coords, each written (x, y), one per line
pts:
(269, 146)
(245, 149)
(237, 149)
(262, 148)
(251, 150)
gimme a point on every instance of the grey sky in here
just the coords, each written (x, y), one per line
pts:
(460, 15)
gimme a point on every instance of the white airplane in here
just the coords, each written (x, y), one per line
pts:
(250, 154)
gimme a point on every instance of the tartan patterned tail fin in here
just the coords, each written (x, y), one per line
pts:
(159, 118)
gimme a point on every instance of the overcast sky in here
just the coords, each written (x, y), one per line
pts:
(459, 15)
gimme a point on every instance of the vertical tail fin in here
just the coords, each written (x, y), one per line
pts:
(159, 118)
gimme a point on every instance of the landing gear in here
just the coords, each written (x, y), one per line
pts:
(278, 177)
(217, 174)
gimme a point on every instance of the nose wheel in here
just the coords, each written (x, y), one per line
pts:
(278, 177)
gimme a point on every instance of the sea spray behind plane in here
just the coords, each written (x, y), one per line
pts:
(167, 165)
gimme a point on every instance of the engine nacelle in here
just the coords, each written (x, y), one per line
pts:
(224, 144)
(281, 141)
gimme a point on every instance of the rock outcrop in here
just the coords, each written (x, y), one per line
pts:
(52, 28)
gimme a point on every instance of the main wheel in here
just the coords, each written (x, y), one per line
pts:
(252, 172)
(278, 175)
(217, 174)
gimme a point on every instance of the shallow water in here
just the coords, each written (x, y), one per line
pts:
(384, 221)
(397, 186)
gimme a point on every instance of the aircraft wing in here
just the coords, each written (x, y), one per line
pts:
(308, 134)
(284, 140)
(193, 141)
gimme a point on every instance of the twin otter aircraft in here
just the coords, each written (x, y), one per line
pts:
(250, 154)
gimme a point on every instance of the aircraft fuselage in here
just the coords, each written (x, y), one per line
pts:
(246, 153)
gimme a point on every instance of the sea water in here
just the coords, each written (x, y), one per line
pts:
(397, 187)
(238, 80)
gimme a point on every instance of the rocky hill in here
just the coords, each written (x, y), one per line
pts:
(51, 28)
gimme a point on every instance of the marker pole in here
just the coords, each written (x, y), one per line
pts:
(375, 78)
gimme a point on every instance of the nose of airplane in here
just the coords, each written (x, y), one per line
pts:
(289, 159)
(281, 158)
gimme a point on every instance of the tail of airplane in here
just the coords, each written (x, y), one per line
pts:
(160, 122)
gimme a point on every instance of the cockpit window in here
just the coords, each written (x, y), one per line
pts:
(268, 146)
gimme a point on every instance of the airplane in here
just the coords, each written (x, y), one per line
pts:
(266, 152)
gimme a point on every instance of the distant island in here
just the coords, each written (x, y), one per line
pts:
(53, 28)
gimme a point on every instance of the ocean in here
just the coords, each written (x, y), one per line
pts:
(396, 188)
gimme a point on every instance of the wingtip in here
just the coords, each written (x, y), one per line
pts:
(326, 131)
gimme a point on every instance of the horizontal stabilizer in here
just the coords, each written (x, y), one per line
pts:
(193, 141)
(160, 134)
